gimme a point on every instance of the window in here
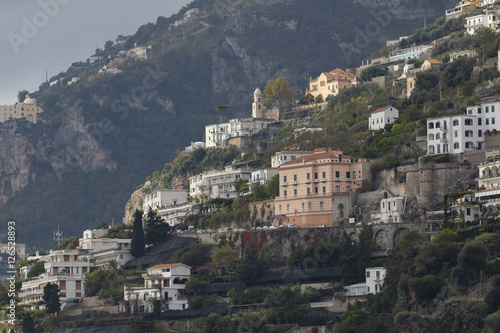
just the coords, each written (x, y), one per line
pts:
(337, 174)
(492, 108)
(444, 124)
(295, 193)
(288, 208)
(493, 121)
(315, 175)
(280, 208)
(324, 190)
(378, 275)
(294, 178)
(469, 111)
(284, 179)
(468, 211)
(303, 207)
(479, 133)
(431, 125)
(468, 122)
(321, 207)
(456, 145)
(487, 109)
(323, 175)
(437, 136)
(308, 190)
(468, 133)
(367, 274)
(348, 174)
(438, 125)
(284, 193)
(337, 188)
(456, 134)
(479, 121)
(455, 122)
(310, 206)
(316, 189)
(354, 174)
(479, 110)
(348, 189)
(308, 176)
(431, 137)
(62, 285)
(487, 121)
(78, 285)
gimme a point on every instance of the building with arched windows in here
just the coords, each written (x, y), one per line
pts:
(27, 110)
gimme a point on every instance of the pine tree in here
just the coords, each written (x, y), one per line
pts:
(51, 298)
(138, 246)
(156, 228)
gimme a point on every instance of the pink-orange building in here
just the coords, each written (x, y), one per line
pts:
(316, 189)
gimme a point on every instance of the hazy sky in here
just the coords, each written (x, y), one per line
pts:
(49, 35)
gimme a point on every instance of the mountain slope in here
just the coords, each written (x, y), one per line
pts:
(100, 137)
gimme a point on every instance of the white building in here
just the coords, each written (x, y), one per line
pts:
(392, 209)
(175, 214)
(286, 156)
(260, 177)
(163, 198)
(381, 117)
(162, 282)
(456, 134)
(475, 22)
(195, 145)
(489, 184)
(374, 280)
(217, 134)
(465, 209)
(64, 268)
(19, 248)
(218, 183)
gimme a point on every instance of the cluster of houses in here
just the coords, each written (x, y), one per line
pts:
(67, 268)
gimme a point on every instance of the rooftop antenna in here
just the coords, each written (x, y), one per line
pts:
(58, 236)
(46, 76)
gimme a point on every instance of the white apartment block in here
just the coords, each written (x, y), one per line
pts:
(456, 134)
(175, 214)
(286, 156)
(217, 134)
(381, 117)
(489, 184)
(64, 268)
(260, 177)
(161, 282)
(163, 198)
(218, 183)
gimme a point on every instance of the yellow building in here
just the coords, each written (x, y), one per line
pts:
(330, 83)
(27, 110)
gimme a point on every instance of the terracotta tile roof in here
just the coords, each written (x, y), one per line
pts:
(164, 266)
(433, 62)
(336, 74)
(381, 109)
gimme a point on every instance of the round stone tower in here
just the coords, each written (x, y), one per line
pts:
(257, 105)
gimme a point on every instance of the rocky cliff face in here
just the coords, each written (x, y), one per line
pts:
(72, 146)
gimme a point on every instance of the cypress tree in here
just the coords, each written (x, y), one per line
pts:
(138, 246)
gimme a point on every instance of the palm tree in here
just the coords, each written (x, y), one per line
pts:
(113, 271)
